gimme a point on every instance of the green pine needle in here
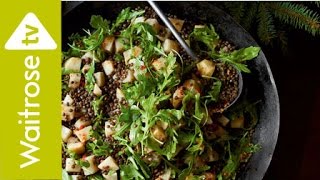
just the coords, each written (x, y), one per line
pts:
(266, 29)
(297, 15)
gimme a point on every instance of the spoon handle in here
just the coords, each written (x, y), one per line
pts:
(173, 30)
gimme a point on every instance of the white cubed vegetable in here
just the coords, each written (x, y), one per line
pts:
(237, 122)
(223, 120)
(177, 23)
(65, 133)
(73, 64)
(71, 166)
(138, 20)
(120, 44)
(158, 133)
(166, 175)
(87, 55)
(170, 45)
(163, 125)
(67, 112)
(72, 140)
(134, 52)
(154, 23)
(76, 177)
(81, 123)
(92, 168)
(68, 101)
(206, 68)
(77, 147)
(96, 90)
(108, 44)
(178, 96)
(159, 63)
(74, 80)
(85, 68)
(165, 35)
(108, 164)
(119, 94)
(130, 76)
(220, 131)
(100, 78)
(192, 85)
(83, 134)
(108, 67)
(109, 129)
(199, 26)
(112, 176)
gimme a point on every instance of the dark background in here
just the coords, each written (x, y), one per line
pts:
(297, 76)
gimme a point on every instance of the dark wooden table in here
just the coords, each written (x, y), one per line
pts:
(297, 75)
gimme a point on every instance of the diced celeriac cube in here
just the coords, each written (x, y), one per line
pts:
(92, 168)
(77, 147)
(108, 164)
(237, 122)
(130, 76)
(108, 44)
(100, 78)
(166, 175)
(138, 20)
(177, 23)
(119, 94)
(72, 140)
(68, 101)
(108, 67)
(120, 44)
(74, 80)
(165, 34)
(159, 63)
(87, 55)
(71, 166)
(134, 52)
(96, 90)
(109, 129)
(220, 131)
(170, 45)
(177, 98)
(206, 68)
(65, 133)
(158, 133)
(192, 85)
(76, 177)
(73, 64)
(83, 134)
(223, 120)
(154, 23)
(85, 68)
(199, 26)
(112, 176)
(163, 125)
(81, 123)
(67, 112)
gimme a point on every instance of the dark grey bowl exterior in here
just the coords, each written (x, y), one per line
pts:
(258, 85)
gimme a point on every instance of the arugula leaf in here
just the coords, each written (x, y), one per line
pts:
(83, 163)
(130, 171)
(98, 22)
(90, 80)
(237, 57)
(214, 92)
(207, 35)
(95, 177)
(125, 14)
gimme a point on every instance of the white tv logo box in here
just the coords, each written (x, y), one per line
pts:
(30, 35)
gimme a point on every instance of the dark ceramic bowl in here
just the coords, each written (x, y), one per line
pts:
(258, 85)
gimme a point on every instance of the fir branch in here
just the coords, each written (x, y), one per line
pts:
(266, 29)
(297, 15)
(250, 16)
(236, 10)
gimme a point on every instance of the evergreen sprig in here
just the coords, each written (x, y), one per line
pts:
(268, 20)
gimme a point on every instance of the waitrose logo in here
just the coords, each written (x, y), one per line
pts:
(30, 35)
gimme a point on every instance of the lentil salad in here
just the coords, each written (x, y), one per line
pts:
(130, 111)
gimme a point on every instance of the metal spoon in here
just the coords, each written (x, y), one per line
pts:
(189, 51)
